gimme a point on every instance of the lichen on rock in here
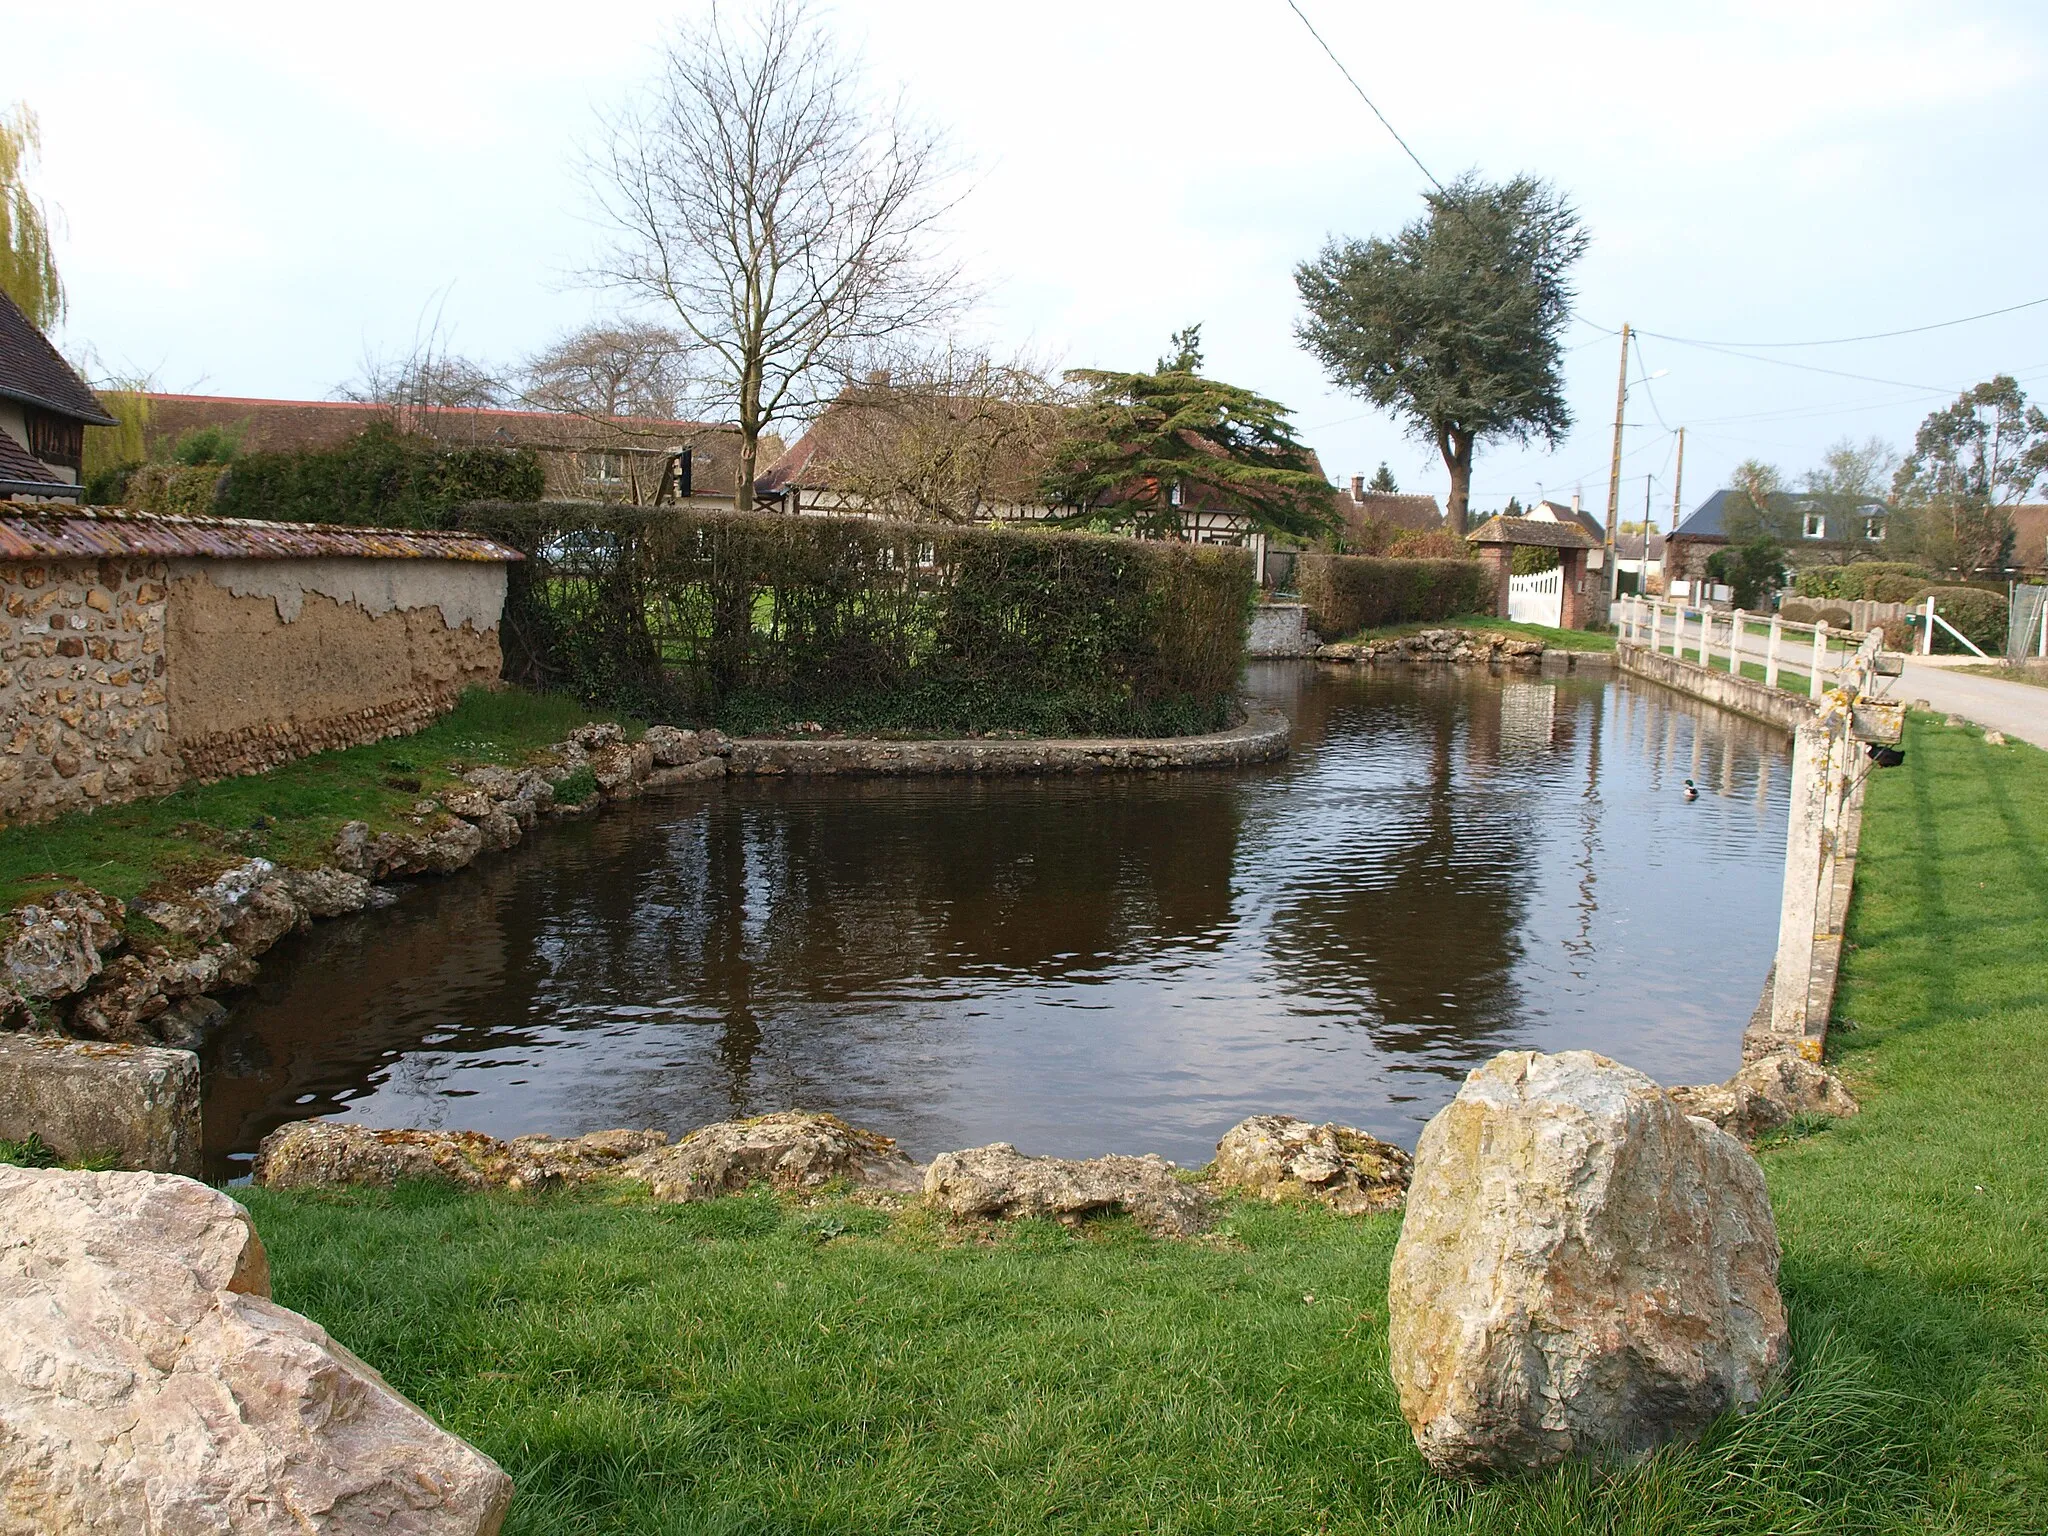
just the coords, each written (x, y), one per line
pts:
(1583, 1269)
(1279, 1158)
(1767, 1094)
(999, 1181)
(792, 1149)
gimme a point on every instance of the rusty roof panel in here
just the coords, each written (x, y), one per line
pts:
(31, 531)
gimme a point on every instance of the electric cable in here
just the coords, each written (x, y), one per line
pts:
(1376, 112)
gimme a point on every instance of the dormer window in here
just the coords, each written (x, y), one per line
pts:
(1814, 525)
(1173, 496)
(1873, 529)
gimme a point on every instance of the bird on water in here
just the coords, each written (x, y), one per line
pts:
(1691, 790)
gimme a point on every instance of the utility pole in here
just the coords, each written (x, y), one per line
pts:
(1677, 483)
(1614, 470)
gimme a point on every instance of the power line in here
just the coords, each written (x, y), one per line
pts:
(1843, 341)
(1376, 112)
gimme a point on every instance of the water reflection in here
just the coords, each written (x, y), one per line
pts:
(1450, 863)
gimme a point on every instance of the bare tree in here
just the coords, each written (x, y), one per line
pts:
(947, 434)
(611, 369)
(785, 218)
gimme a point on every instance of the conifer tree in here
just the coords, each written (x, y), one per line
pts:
(1382, 480)
(1144, 445)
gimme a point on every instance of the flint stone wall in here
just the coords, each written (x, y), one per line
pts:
(82, 689)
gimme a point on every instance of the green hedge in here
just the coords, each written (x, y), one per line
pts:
(380, 477)
(754, 621)
(1347, 593)
(1870, 581)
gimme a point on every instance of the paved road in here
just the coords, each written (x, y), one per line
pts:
(2018, 709)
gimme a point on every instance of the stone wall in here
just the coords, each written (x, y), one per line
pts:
(270, 660)
(1742, 695)
(82, 685)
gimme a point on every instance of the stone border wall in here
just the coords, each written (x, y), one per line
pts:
(1742, 695)
(1260, 739)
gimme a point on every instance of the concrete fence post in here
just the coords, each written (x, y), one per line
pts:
(1820, 660)
(1804, 829)
(1706, 633)
(1737, 625)
(1771, 654)
(1927, 631)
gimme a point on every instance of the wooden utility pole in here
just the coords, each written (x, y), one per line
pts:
(1614, 469)
(1677, 483)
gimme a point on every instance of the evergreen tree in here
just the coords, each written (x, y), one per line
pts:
(1142, 444)
(1513, 508)
(1187, 352)
(1382, 480)
(1456, 323)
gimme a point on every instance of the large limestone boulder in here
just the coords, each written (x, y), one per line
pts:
(1766, 1094)
(1583, 1269)
(999, 1181)
(311, 1153)
(88, 1099)
(1280, 1158)
(792, 1149)
(148, 1383)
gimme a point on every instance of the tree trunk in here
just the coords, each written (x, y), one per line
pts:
(1456, 448)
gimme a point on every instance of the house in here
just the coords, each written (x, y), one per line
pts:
(1815, 527)
(2030, 538)
(44, 410)
(1558, 512)
(1394, 509)
(983, 466)
(641, 460)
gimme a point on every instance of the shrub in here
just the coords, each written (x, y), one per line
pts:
(1347, 593)
(1431, 544)
(1797, 611)
(751, 621)
(1872, 581)
(380, 477)
(188, 490)
(1977, 613)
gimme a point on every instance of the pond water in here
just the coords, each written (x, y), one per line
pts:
(1450, 863)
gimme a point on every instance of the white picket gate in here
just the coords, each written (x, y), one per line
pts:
(1537, 599)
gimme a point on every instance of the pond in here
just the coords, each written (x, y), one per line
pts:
(1451, 863)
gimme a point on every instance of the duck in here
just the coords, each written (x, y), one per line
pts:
(1691, 790)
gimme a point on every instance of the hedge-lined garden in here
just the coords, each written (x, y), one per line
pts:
(756, 622)
(1347, 593)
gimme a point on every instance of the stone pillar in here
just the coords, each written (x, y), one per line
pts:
(1812, 751)
(1502, 558)
(1574, 563)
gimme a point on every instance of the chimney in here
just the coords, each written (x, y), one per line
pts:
(1575, 503)
(1358, 487)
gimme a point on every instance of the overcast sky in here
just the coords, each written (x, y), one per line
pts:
(254, 197)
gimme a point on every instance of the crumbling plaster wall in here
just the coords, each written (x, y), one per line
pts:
(270, 660)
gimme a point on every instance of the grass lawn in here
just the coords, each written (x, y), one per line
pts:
(289, 814)
(1556, 639)
(757, 1365)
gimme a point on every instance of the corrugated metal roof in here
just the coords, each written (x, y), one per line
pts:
(90, 533)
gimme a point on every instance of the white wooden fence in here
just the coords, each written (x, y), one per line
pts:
(1537, 599)
(1702, 634)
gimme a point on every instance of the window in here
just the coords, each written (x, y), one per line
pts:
(1815, 526)
(1873, 529)
(604, 468)
(1173, 496)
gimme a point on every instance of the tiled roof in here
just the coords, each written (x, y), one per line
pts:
(90, 533)
(1843, 514)
(17, 463)
(32, 371)
(1399, 508)
(1529, 530)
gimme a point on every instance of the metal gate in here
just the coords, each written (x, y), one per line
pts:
(2026, 632)
(1537, 599)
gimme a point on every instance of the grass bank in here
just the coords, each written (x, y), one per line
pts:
(758, 1365)
(289, 814)
(1555, 639)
